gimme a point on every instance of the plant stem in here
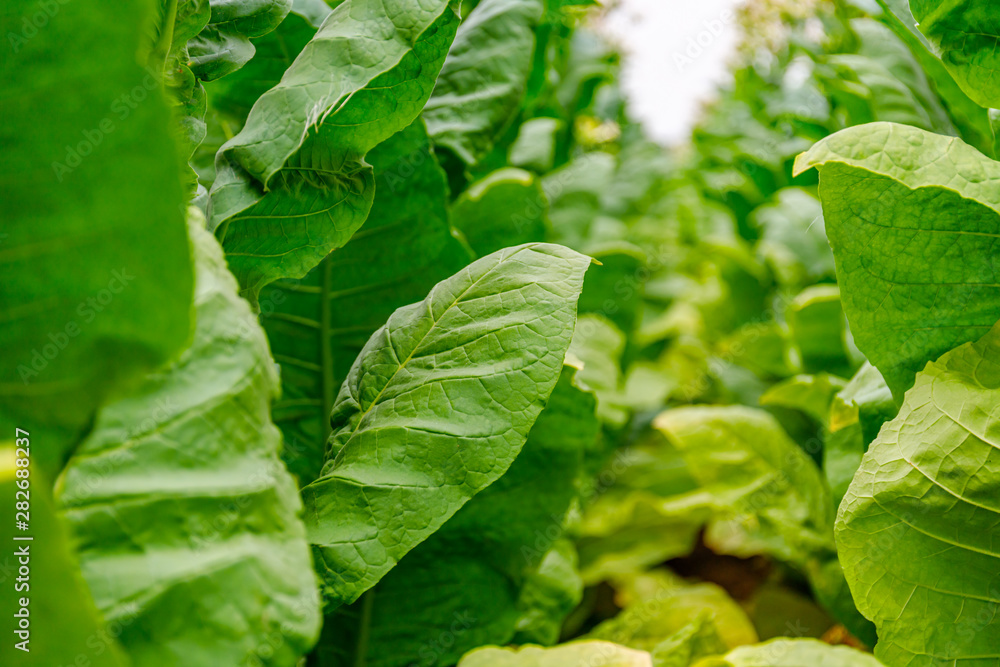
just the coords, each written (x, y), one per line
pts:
(364, 628)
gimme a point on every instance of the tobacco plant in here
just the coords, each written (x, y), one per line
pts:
(374, 332)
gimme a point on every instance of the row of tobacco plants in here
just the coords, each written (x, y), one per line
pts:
(308, 359)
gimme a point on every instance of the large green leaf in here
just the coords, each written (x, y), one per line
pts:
(97, 278)
(183, 516)
(918, 529)
(61, 626)
(436, 408)
(576, 654)
(484, 77)
(478, 563)
(914, 221)
(318, 325)
(293, 185)
(792, 653)
(965, 32)
(897, 13)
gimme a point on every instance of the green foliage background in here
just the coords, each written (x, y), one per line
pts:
(455, 367)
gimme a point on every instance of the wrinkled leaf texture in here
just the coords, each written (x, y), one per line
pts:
(918, 529)
(474, 569)
(436, 407)
(914, 222)
(184, 519)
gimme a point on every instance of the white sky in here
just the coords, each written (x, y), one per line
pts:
(675, 55)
